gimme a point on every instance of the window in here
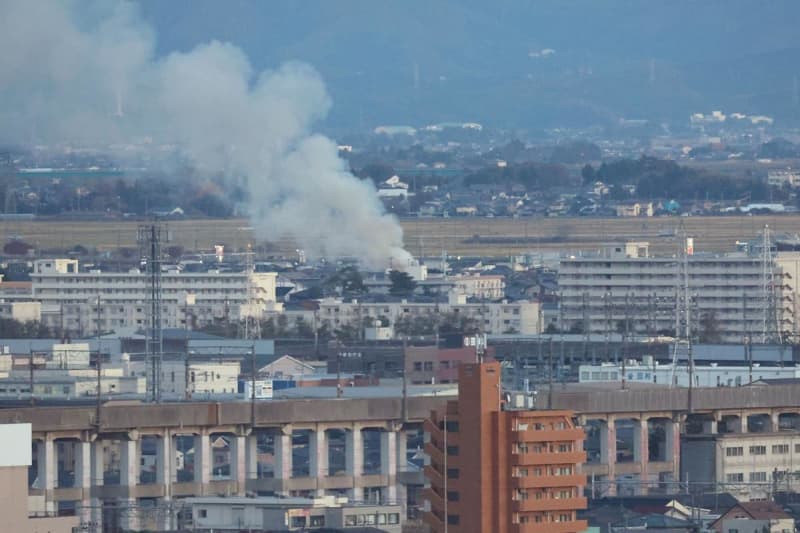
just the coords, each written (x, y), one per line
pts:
(452, 496)
(350, 520)
(452, 426)
(394, 518)
(452, 450)
(735, 478)
(428, 366)
(780, 449)
(758, 450)
(734, 451)
(758, 476)
(418, 366)
(452, 519)
(202, 513)
(452, 473)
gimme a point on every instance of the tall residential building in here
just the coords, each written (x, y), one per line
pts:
(497, 469)
(731, 298)
(69, 296)
(520, 316)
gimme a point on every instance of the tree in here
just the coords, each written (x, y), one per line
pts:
(347, 281)
(402, 283)
(588, 173)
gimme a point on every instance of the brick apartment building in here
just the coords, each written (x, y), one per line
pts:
(496, 469)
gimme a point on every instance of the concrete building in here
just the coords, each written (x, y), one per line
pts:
(195, 379)
(504, 317)
(215, 514)
(751, 462)
(623, 288)
(431, 364)
(21, 514)
(713, 375)
(494, 468)
(69, 296)
(480, 287)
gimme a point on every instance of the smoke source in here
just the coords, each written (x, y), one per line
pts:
(88, 73)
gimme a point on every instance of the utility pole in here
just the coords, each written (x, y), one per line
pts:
(253, 386)
(30, 369)
(99, 365)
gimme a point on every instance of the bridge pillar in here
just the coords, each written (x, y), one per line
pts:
(354, 459)
(283, 455)
(641, 452)
(83, 477)
(128, 478)
(318, 456)
(402, 466)
(97, 468)
(166, 474)
(202, 460)
(239, 463)
(774, 418)
(46, 470)
(389, 462)
(251, 443)
(608, 452)
(165, 461)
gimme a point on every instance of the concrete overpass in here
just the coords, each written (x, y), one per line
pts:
(150, 455)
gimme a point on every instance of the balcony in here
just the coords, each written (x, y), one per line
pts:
(548, 504)
(551, 527)
(548, 458)
(429, 426)
(529, 434)
(434, 476)
(538, 482)
(436, 523)
(434, 452)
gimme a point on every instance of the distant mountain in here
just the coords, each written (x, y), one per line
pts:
(514, 63)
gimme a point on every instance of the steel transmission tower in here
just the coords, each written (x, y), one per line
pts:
(252, 315)
(769, 327)
(150, 238)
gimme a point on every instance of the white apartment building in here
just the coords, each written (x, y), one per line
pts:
(523, 317)
(623, 285)
(678, 375)
(69, 297)
(481, 287)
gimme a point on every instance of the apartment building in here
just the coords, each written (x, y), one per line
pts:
(750, 466)
(624, 289)
(76, 300)
(496, 469)
(494, 318)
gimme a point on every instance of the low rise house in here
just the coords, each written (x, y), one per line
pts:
(762, 517)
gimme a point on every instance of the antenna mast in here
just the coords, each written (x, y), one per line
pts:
(150, 237)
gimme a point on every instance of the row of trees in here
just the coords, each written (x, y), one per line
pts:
(658, 179)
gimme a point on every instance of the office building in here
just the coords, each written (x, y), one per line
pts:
(498, 468)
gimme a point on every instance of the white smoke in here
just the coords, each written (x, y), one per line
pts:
(74, 64)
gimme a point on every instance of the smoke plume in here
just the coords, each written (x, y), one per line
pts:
(88, 73)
